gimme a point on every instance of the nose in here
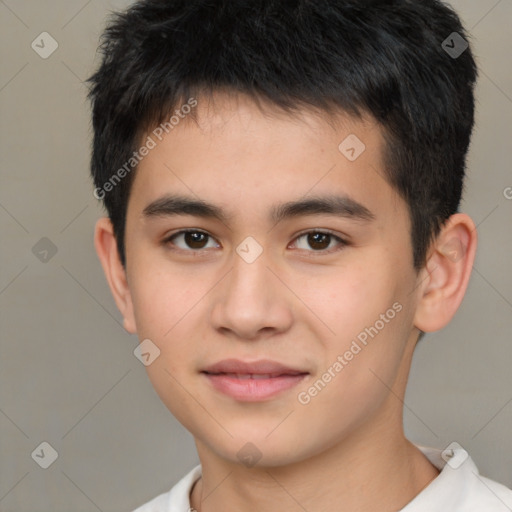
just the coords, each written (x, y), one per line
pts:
(251, 302)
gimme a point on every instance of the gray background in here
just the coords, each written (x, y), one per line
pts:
(68, 375)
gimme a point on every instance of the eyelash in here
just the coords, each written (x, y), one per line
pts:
(342, 243)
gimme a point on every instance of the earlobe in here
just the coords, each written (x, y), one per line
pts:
(106, 248)
(446, 274)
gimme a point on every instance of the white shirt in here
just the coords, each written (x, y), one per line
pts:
(458, 488)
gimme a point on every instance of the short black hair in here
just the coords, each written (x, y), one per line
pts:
(385, 58)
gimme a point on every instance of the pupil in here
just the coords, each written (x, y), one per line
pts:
(195, 240)
(315, 240)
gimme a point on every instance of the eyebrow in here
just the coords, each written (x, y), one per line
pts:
(342, 206)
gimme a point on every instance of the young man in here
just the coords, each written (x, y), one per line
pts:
(282, 181)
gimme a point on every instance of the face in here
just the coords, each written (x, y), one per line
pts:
(278, 289)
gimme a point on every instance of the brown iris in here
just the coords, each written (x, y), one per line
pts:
(319, 240)
(195, 239)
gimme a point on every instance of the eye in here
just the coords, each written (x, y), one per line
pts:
(319, 241)
(193, 240)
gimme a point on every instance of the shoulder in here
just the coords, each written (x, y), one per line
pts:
(486, 494)
(175, 500)
(158, 504)
(459, 486)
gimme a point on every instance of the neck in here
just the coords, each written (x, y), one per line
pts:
(361, 474)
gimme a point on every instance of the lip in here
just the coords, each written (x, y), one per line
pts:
(252, 381)
(260, 367)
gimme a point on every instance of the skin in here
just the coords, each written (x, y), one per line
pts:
(345, 449)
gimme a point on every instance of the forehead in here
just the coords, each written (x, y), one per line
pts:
(245, 158)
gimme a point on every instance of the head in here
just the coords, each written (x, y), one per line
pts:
(244, 108)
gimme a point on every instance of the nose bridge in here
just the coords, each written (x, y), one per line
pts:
(249, 279)
(249, 299)
(249, 268)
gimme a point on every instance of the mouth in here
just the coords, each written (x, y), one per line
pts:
(252, 382)
(256, 376)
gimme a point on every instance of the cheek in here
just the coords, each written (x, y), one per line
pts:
(348, 299)
(162, 299)
(164, 312)
(353, 382)
(368, 328)
(166, 309)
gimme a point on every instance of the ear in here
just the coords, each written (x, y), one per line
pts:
(106, 248)
(445, 278)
